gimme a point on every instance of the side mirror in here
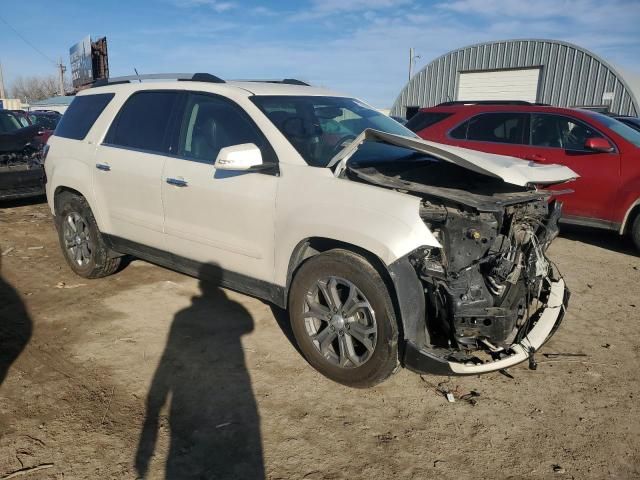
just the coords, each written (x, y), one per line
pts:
(597, 144)
(245, 156)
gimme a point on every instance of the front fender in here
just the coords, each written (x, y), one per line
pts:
(312, 203)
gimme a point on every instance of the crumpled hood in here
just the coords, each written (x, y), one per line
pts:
(510, 169)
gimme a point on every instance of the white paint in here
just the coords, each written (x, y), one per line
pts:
(516, 84)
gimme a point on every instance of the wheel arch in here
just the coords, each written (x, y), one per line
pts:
(400, 278)
(630, 216)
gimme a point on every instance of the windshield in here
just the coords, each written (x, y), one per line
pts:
(8, 122)
(625, 131)
(319, 127)
(48, 122)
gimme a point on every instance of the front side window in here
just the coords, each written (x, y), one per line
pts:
(81, 115)
(319, 127)
(143, 122)
(496, 127)
(560, 132)
(210, 124)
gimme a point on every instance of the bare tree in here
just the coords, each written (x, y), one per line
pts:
(31, 89)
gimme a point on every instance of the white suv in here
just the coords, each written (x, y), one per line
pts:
(386, 250)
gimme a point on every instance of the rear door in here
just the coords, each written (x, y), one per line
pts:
(128, 168)
(220, 217)
(560, 139)
(502, 133)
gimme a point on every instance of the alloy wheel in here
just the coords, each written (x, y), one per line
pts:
(340, 322)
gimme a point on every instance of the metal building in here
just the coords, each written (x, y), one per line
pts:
(545, 71)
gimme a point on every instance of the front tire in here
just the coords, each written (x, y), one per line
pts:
(343, 319)
(80, 239)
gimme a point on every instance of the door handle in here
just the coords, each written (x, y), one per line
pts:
(536, 158)
(177, 182)
(105, 167)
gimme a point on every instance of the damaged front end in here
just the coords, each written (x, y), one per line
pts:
(487, 297)
(21, 167)
(488, 288)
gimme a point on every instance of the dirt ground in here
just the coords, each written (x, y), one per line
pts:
(149, 372)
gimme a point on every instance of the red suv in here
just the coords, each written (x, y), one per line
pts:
(602, 150)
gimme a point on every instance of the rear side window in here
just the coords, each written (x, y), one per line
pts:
(494, 127)
(423, 120)
(81, 115)
(143, 122)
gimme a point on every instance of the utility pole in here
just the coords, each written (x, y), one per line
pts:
(412, 60)
(61, 70)
(2, 92)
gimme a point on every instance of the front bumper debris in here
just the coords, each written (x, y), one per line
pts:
(422, 361)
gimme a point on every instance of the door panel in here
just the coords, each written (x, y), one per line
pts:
(127, 189)
(561, 139)
(129, 164)
(220, 217)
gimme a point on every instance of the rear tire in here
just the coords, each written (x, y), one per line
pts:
(635, 231)
(80, 239)
(343, 319)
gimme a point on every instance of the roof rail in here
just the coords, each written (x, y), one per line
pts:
(287, 81)
(186, 77)
(485, 102)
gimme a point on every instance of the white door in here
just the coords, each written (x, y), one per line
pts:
(219, 217)
(128, 169)
(516, 84)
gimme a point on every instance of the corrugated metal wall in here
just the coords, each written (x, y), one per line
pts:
(570, 76)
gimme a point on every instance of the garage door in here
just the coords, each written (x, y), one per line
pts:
(499, 85)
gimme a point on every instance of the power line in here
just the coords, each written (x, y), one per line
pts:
(28, 42)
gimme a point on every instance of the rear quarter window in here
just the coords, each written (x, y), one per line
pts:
(422, 120)
(81, 115)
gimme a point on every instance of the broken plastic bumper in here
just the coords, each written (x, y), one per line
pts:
(422, 361)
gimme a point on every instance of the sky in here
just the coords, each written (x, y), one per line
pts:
(358, 47)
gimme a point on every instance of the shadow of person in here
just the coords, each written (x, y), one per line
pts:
(213, 417)
(15, 327)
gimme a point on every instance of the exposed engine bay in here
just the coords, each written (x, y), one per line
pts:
(487, 285)
(21, 168)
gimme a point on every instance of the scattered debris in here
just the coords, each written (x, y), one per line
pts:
(26, 471)
(8, 251)
(556, 355)
(506, 374)
(471, 397)
(558, 469)
(450, 397)
(109, 405)
(386, 437)
(222, 425)
(589, 285)
(35, 248)
(436, 462)
(64, 285)
(606, 345)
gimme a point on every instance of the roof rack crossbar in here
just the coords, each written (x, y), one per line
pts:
(188, 77)
(287, 81)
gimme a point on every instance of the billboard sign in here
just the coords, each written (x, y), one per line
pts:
(81, 63)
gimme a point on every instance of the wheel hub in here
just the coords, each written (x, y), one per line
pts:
(340, 322)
